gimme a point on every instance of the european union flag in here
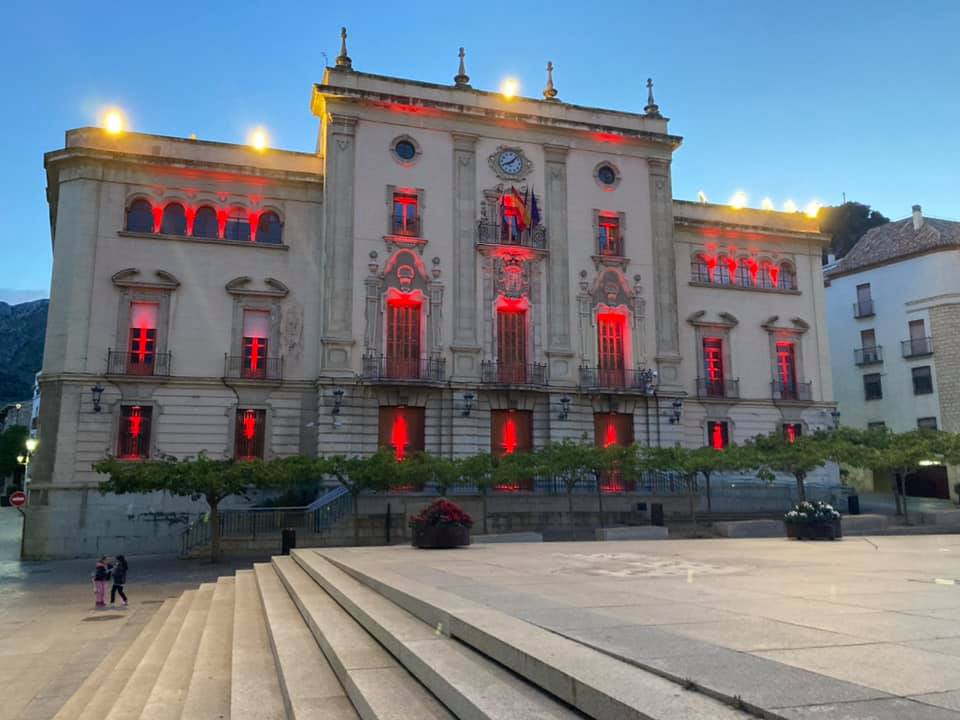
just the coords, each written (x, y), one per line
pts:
(534, 209)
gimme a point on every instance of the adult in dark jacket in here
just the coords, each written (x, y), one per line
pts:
(119, 575)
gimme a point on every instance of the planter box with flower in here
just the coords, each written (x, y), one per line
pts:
(813, 521)
(443, 524)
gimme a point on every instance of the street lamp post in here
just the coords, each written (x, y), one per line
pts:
(30, 447)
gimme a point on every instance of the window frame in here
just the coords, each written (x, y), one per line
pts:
(922, 425)
(928, 378)
(198, 222)
(415, 418)
(258, 442)
(711, 427)
(278, 225)
(872, 379)
(151, 225)
(167, 219)
(144, 432)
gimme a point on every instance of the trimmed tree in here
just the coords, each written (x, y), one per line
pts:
(477, 470)
(798, 458)
(358, 475)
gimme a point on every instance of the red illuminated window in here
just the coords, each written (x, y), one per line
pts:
(133, 442)
(140, 216)
(718, 434)
(713, 366)
(269, 229)
(248, 442)
(401, 430)
(256, 331)
(205, 223)
(142, 344)
(403, 339)
(787, 369)
(237, 226)
(406, 219)
(613, 429)
(769, 275)
(611, 350)
(174, 220)
(721, 273)
(608, 236)
(791, 431)
(701, 269)
(510, 431)
(512, 346)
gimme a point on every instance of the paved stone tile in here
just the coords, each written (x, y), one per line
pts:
(917, 671)
(942, 597)
(949, 700)
(886, 626)
(946, 646)
(567, 618)
(761, 634)
(640, 643)
(889, 709)
(660, 613)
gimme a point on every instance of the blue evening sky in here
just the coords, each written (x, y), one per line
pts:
(800, 100)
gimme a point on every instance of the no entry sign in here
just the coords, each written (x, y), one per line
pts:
(18, 499)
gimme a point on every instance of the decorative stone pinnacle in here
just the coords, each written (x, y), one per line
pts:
(343, 60)
(461, 79)
(550, 92)
(651, 109)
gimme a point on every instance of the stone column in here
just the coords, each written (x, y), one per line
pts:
(465, 347)
(340, 162)
(559, 347)
(664, 274)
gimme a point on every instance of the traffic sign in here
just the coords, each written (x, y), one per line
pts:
(18, 499)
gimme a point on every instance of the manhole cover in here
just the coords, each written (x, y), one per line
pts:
(100, 618)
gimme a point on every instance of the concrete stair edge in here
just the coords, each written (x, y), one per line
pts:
(468, 683)
(129, 703)
(208, 694)
(255, 692)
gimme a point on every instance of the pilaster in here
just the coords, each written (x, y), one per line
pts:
(465, 347)
(559, 348)
(665, 274)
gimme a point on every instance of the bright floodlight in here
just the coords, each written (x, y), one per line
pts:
(789, 206)
(812, 208)
(509, 87)
(258, 139)
(739, 200)
(31, 444)
(767, 204)
(113, 122)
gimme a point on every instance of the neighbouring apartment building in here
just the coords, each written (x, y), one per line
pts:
(893, 311)
(452, 271)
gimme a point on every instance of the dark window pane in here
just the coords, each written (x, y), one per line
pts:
(238, 227)
(405, 150)
(205, 223)
(140, 217)
(269, 229)
(174, 220)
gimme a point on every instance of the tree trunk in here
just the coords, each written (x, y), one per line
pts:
(801, 489)
(600, 497)
(483, 494)
(214, 504)
(906, 512)
(706, 477)
(570, 502)
(896, 492)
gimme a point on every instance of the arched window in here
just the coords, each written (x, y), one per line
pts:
(744, 276)
(270, 229)
(721, 274)
(140, 216)
(238, 226)
(699, 269)
(788, 276)
(768, 271)
(205, 223)
(174, 220)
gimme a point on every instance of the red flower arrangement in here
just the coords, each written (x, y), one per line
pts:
(441, 513)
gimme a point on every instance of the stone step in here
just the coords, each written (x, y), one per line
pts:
(208, 697)
(255, 688)
(470, 685)
(170, 691)
(597, 684)
(375, 682)
(91, 701)
(310, 688)
(129, 703)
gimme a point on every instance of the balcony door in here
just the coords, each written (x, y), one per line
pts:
(610, 350)
(787, 369)
(713, 366)
(403, 340)
(142, 345)
(512, 346)
(256, 331)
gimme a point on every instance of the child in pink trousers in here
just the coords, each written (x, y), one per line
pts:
(101, 573)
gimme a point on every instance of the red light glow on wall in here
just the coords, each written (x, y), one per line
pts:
(249, 424)
(136, 422)
(221, 223)
(191, 213)
(716, 437)
(608, 138)
(399, 436)
(754, 267)
(510, 436)
(157, 218)
(610, 435)
(791, 433)
(774, 273)
(732, 267)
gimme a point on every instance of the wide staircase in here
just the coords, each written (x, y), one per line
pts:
(319, 635)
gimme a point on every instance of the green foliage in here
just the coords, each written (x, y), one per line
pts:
(11, 445)
(799, 458)
(847, 223)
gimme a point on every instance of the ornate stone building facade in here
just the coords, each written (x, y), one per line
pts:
(452, 270)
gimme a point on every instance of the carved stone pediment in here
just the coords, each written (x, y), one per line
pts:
(132, 278)
(244, 285)
(723, 319)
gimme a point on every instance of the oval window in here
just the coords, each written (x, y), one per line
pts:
(405, 150)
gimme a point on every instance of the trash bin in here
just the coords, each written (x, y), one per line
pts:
(288, 540)
(656, 514)
(853, 504)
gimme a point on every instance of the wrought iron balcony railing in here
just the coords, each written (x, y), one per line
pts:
(383, 368)
(863, 308)
(237, 366)
(490, 233)
(405, 227)
(639, 380)
(868, 355)
(492, 372)
(720, 388)
(917, 347)
(795, 391)
(123, 362)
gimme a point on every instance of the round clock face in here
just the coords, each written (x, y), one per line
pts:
(510, 162)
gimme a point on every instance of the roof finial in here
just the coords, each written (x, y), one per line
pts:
(550, 92)
(343, 60)
(651, 109)
(461, 79)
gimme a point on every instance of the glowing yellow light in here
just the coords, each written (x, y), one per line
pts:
(509, 87)
(767, 204)
(701, 196)
(789, 206)
(739, 200)
(812, 208)
(113, 121)
(258, 139)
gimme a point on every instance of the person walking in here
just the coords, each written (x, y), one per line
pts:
(101, 573)
(119, 580)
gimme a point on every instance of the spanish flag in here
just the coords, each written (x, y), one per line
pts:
(523, 212)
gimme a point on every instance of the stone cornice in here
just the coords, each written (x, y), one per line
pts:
(709, 228)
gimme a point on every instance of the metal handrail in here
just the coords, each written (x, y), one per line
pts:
(916, 347)
(429, 368)
(493, 372)
(124, 362)
(493, 233)
(720, 388)
(868, 355)
(271, 369)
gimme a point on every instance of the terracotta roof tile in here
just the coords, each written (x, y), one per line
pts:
(898, 239)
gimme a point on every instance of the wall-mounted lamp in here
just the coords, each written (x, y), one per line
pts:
(835, 414)
(468, 399)
(677, 406)
(648, 381)
(337, 401)
(564, 407)
(97, 392)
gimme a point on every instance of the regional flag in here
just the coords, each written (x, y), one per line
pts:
(523, 212)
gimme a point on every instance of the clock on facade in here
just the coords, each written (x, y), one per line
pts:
(510, 163)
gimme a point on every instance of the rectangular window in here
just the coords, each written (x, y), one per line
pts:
(401, 430)
(863, 293)
(403, 339)
(512, 346)
(864, 305)
(917, 330)
(510, 431)
(713, 366)
(256, 331)
(787, 369)
(922, 380)
(927, 423)
(718, 434)
(872, 386)
(868, 339)
(609, 241)
(919, 343)
(877, 425)
(133, 442)
(613, 429)
(251, 427)
(142, 344)
(611, 350)
(406, 219)
(791, 431)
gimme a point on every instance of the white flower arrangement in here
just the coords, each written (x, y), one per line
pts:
(806, 512)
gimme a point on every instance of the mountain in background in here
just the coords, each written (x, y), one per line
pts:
(22, 330)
